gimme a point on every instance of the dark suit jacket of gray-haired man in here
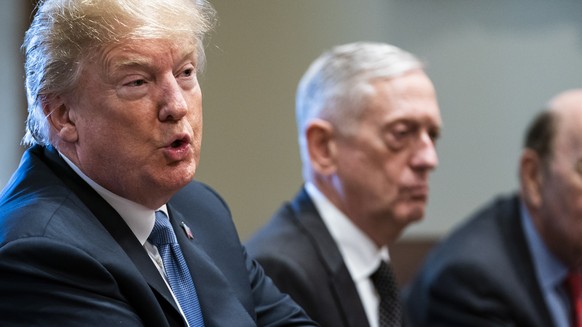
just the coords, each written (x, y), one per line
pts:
(368, 120)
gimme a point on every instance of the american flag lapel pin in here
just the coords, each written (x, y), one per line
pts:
(187, 230)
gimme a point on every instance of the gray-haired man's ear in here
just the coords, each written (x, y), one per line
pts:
(321, 146)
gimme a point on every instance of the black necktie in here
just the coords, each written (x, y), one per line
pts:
(385, 283)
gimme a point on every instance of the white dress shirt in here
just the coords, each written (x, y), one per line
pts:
(361, 255)
(139, 218)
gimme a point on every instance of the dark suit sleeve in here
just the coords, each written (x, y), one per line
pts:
(459, 295)
(46, 283)
(291, 279)
(273, 308)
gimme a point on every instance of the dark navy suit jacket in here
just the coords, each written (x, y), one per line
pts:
(299, 254)
(68, 259)
(481, 275)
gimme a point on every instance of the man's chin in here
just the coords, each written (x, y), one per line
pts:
(412, 214)
(178, 178)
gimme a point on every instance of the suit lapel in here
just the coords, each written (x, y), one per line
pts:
(220, 305)
(341, 283)
(116, 226)
(519, 252)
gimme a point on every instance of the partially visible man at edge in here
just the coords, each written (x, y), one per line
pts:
(367, 120)
(518, 260)
(115, 126)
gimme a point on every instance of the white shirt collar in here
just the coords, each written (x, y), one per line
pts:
(139, 218)
(360, 253)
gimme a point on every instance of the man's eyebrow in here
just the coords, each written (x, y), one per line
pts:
(129, 63)
(133, 62)
(187, 54)
(118, 64)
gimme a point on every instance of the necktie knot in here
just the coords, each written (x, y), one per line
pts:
(382, 277)
(162, 233)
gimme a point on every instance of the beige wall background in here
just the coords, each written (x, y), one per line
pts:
(13, 21)
(494, 64)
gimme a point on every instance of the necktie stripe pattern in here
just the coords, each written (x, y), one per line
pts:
(574, 283)
(390, 310)
(178, 275)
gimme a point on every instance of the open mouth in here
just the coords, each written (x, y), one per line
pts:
(179, 149)
(180, 141)
(177, 143)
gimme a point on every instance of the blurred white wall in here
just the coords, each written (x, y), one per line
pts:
(494, 64)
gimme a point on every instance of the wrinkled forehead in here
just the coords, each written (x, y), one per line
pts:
(142, 52)
(409, 95)
(129, 48)
(567, 108)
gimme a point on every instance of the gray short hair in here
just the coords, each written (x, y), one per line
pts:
(65, 33)
(337, 84)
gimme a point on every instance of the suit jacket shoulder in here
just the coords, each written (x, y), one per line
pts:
(237, 288)
(80, 264)
(480, 275)
(299, 254)
(55, 250)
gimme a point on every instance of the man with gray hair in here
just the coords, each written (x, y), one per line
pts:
(102, 223)
(367, 120)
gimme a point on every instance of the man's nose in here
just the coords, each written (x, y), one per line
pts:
(425, 156)
(173, 104)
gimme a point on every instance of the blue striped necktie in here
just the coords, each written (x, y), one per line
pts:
(177, 273)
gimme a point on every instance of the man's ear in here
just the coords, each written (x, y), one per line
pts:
(321, 146)
(60, 118)
(531, 177)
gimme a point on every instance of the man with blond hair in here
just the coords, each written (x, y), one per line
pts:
(102, 223)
